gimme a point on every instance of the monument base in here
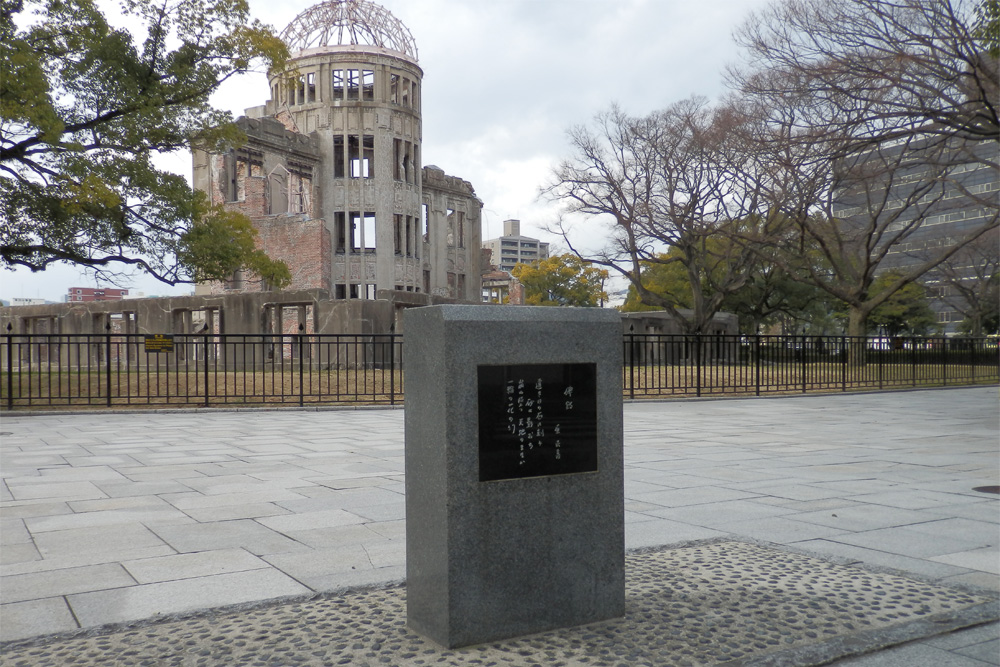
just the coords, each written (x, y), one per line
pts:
(514, 470)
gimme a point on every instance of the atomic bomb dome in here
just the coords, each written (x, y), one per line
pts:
(332, 174)
(349, 23)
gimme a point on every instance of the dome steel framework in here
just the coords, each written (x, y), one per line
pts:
(349, 22)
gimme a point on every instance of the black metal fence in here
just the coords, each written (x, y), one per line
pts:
(199, 369)
(666, 365)
(116, 370)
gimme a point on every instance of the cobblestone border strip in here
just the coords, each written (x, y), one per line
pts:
(713, 602)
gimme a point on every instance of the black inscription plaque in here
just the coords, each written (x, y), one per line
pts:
(536, 420)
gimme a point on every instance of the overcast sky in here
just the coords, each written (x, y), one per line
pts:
(503, 81)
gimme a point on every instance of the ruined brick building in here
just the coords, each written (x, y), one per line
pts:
(332, 175)
(332, 178)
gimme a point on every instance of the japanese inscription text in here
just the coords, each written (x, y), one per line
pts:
(536, 420)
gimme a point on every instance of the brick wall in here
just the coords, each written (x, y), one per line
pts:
(516, 292)
(303, 244)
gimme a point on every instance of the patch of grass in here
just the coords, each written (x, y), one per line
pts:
(685, 380)
(217, 388)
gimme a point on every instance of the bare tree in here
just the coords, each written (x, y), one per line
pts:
(969, 281)
(899, 206)
(674, 179)
(882, 124)
(874, 70)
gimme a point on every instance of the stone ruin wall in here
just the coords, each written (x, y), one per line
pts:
(453, 243)
(271, 181)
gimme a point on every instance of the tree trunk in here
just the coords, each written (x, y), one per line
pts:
(857, 330)
(976, 329)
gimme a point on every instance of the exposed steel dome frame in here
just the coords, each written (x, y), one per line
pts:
(349, 22)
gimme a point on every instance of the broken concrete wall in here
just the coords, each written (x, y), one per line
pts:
(252, 315)
(231, 314)
(453, 242)
(649, 348)
(262, 328)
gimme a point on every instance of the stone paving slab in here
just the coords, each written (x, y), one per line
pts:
(39, 617)
(721, 602)
(117, 605)
(981, 654)
(881, 479)
(241, 533)
(875, 557)
(986, 559)
(91, 546)
(36, 585)
(193, 565)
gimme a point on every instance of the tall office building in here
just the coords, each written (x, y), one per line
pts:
(911, 199)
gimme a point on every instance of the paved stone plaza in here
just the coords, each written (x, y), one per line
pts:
(115, 518)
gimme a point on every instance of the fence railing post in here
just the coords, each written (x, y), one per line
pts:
(756, 354)
(697, 364)
(802, 365)
(944, 365)
(302, 372)
(206, 350)
(844, 354)
(881, 360)
(972, 360)
(10, 368)
(107, 361)
(392, 369)
(631, 364)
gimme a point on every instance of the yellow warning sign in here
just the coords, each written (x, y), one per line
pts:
(160, 343)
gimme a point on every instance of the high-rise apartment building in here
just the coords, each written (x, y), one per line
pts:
(512, 248)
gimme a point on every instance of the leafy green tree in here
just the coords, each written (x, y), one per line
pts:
(906, 312)
(84, 108)
(768, 296)
(771, 296)
(987, 30)
(562, 280)
(667, 279)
